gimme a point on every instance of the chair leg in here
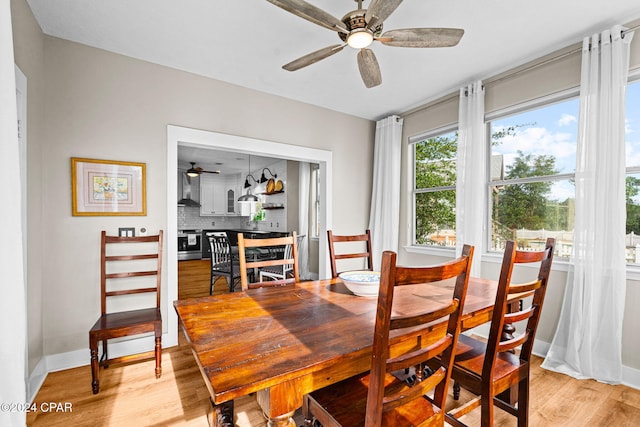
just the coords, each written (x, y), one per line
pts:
(158, 355)
(308, 418)
(105, 354)
(523, 402)
(486, 411)
(95, 365)
(456, 390)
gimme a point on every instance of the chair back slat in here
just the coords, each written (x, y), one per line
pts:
(335, 254)
(126, 265)
(513, 343)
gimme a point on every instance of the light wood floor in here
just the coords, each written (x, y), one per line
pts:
(131, 396)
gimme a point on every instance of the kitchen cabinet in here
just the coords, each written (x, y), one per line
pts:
(231, 192)
(213, 195)
(218, 195)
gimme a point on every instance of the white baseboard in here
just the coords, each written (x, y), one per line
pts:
(77, 358)
(630, 376)
(36, 379)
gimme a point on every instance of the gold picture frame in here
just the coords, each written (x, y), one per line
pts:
(108, 188)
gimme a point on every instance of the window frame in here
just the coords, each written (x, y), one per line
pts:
(538, 103)
(634, 268)
(412, 141)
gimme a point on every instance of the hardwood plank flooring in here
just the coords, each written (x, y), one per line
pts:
(131, 395)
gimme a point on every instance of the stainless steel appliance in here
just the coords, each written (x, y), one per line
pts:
(189, 244)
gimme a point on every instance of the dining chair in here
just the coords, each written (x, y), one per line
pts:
(380, 397)
(347, 244)
(278, 272)
(223, 261)
(492, 367)
(246, 266)
(128, 266)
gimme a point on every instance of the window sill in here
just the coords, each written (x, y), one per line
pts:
(559, 264)
(448, 252)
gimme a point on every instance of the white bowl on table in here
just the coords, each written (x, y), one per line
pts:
(363, 283)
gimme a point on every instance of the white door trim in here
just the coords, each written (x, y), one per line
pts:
(177, 135)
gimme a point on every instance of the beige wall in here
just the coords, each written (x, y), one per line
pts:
(91, 103)
(546, 78)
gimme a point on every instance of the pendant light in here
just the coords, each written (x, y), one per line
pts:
(248, 197)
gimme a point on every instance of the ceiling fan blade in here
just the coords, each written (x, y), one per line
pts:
(313, 57)
(379, 10)
(197, 170)
(369, 68)
(311, 13)
(422, 37)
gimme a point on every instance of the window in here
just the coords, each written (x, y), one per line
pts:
(532, 168)
(632, 139)
(434, 194)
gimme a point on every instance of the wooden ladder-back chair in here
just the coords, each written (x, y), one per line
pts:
(488, 369)
(379, 397)
(338, 255)
(129, 262)
(223, 261)
(245, 265)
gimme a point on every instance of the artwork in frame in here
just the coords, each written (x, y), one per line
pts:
(108, 187)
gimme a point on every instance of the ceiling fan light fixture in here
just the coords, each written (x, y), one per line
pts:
(360, 38)
(192, 172)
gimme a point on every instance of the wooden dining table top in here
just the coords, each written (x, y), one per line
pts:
(294, 339)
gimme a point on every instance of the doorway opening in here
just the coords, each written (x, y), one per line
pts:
(182, 136)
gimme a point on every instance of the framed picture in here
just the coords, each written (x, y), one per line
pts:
(108, 187)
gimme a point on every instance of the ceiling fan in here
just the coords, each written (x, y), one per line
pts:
(194, 171)
(360, 28)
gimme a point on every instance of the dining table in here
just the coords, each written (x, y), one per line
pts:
(283, 342)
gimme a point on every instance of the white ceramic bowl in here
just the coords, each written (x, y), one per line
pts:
(363, 283)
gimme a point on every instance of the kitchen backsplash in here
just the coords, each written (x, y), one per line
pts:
(189, 218)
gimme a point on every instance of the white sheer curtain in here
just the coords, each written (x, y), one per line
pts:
(12, 302)
(385, 195)
(471, 185)
(588, 341)
(303, 218)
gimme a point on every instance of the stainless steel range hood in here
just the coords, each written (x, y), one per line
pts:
(186, 193)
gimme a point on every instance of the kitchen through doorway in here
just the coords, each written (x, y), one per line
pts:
(181, 136)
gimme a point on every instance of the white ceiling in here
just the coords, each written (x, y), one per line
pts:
(227, 162)
(246, 42)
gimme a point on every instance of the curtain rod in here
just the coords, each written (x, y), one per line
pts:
(489, 82)
(545, 62)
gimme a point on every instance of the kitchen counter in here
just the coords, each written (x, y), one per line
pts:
(232, 235)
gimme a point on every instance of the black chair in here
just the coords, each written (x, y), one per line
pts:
(223, 261)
